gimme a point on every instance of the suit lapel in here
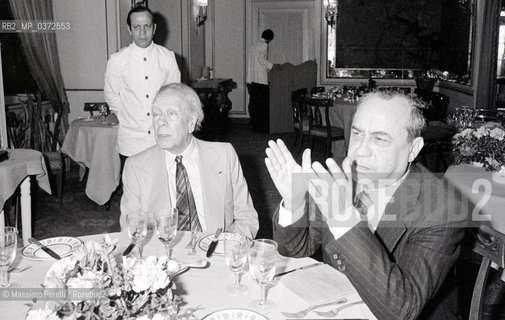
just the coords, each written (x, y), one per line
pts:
(212, 175)
(392, 225)
(156, 170)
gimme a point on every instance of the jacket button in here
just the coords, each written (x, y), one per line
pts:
(335, 256)
(149, 132)
(147, 96)
(145, 59)
(148, 114)
(147, 77)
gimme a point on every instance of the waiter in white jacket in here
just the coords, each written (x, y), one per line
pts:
(133, 77)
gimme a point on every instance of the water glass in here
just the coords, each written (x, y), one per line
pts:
(137, 230)
(262, 256)
(165, 221)
(236, 250)
(8, 245)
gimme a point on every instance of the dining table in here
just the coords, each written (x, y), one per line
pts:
(16, 171)
(202, 290)
(92, 143)
(482, 194)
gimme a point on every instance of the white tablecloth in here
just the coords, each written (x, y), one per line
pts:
(201, 289)
(93, 144)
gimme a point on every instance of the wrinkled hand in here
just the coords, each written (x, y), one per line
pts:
(282, 167)
(334, 177)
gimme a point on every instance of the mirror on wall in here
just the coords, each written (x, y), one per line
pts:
(399, 39)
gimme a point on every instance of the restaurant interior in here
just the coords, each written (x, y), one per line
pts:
(448, 54)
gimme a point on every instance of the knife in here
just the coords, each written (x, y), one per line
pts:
(296, 269)
(129, 249)
(213, 244)
(46, 249)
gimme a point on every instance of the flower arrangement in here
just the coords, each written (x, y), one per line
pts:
(131, 290)
(484, 144)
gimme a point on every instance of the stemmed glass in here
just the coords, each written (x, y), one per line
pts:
(236, 258)
(137, 230)
(166, 226)
(262, 256)
(8, 245)
(104, 110)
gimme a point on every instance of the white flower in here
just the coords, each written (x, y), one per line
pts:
(465, 133)
(58, 272)
(159, 316)
(41, 314)
(144, 317)
(79, 283)
(149, 274)
(481, 132)
(497, 133)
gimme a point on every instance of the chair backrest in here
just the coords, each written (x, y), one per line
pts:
(94, 106)
(297, 102)
(316, 119)
(485, 115)
(490, 244)
(315, 90)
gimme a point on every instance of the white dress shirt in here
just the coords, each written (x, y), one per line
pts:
(258, 65)
(132, 79)
(380, 197)
(190, 162)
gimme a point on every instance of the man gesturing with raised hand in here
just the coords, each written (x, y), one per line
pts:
(382, 220)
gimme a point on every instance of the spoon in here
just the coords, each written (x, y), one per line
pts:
(195, 264)
(185, 266)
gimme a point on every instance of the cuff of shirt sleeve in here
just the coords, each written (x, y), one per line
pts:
(287, 217)
(339, 231)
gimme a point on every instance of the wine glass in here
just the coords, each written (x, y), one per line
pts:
(262, 255)
(137, 230)
(104, 110)
(8, 245)
(236, 250)
(166, 226)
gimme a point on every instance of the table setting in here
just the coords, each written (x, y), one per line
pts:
(201, 275)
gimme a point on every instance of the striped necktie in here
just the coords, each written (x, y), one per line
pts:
(362, 203)
(188, 218)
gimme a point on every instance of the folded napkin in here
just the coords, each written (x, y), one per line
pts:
(112, 119)
(318, 284)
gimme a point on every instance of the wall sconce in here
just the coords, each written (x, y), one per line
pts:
(331, 12)
(140, 3)
(202, 12)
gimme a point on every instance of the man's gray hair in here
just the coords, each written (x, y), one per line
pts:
(417, 121)
(194, 104)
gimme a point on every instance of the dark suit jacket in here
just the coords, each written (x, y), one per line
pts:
(398, 269)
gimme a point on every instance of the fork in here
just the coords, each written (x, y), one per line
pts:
(304, 312)
(334, 312)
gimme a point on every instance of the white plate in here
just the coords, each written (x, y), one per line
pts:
(235, 314)
(205, 241)
(64, 246)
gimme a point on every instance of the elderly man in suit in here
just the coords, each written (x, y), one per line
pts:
(202, 179)
(388, 224)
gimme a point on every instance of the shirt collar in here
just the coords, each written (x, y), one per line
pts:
(142, 51)
(382, 194)
(188, 155)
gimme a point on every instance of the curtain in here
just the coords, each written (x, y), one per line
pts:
(487, 65)
(41, 54)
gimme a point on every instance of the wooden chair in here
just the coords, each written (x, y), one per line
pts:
(490, 244)
(319, 126)
(300, 116)
(316, 90)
